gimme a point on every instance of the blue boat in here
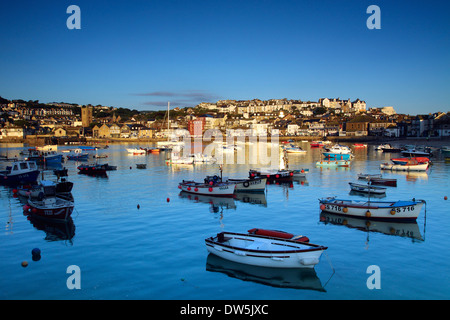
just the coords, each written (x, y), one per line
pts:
(337, 156)
(20, 172)
(78, 155)
(44, 157)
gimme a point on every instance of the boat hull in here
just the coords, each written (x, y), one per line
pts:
(249, 185)
(404, 167)
(384, 182)
(218, 190)
(366, 189)
(406, 211)
(337, 156)
(18, 179)
(58, 210)
(264, 251)
(273, 177)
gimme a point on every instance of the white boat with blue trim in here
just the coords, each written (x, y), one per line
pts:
(401, 210)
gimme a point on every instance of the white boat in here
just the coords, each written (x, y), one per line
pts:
(417, 153)
(339, 149)
(382, 210)
(135, 151)
(410, 166)
(219, 189)
(294, 149)
(364, 176)
(264, 251)
(366, 188)
(256, 185)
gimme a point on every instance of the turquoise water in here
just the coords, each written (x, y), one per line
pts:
(157, 251)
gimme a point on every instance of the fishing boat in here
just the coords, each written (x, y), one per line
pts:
(272, 175)
(51, 207)
(92, 170)
(333, 163)
(405, 211)
(77, 155)
(366, 188)
(20, 172)
(364, 176)
(210, 186)
(44, 157)
(384, 182)
(411, 165)
(135, 151)
(46, 188)
(265, 251)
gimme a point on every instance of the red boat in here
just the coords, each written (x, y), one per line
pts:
(360, 145)
(278, 234)
(316, 144)
(52, 208)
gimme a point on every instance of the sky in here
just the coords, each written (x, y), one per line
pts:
(143, 54)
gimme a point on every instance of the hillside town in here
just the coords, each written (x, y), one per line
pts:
(27, 121)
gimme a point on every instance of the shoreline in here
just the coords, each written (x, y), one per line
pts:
(419, 141)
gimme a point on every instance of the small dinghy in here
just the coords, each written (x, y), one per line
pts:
(366, 188)
(264, 251)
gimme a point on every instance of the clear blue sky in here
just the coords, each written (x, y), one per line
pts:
(142, 54)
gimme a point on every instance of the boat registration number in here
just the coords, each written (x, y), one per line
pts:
(405, 209)
(333, 207)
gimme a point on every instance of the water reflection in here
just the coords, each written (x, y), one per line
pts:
(54, 231)
(301, 278)
(401, 229)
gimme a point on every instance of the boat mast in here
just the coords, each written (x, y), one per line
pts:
(168, 123)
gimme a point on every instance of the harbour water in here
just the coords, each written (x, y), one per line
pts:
(134, 236)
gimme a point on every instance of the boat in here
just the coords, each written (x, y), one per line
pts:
(210, 186)
(19, 173)
(50, 207)
(272, 175)
(44, 157)
(46, 188)
(264, 251)
(333, 163)
(300, 173)
(360, 145)
(202, 158)
(366, 188)
(53, 147)
(294, 149)
(405, 160)
(384, 182)
(411, 165)
(390, 149)
(78, 155)
(338, 149)
(316, 144)
(278, 234)
(60, 172)
(417, 153)
(141, 166)
(363, 176)
(135, 151)
(92, 170)
(401, 210)
(256, 184)
(337, 156)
